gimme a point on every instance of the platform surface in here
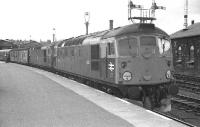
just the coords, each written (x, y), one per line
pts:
(30, 97)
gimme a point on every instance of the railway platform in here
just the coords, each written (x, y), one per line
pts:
(30, 97)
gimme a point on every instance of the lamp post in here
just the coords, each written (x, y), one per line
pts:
(30, 38)
(87, 18)
(54, 35)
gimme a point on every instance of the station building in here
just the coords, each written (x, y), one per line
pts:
(186, 48)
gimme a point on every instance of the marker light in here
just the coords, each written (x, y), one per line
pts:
(127, 76)
(168, 74)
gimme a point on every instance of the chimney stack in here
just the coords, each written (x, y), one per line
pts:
(111, 24)
(192, 22)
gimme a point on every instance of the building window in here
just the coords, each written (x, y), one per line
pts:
(192, 52)
(179, 55)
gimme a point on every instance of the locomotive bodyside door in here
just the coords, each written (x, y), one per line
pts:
(95, 61)
(108, 61)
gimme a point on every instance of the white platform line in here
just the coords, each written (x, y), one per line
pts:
(158, 115)
(99, 91)
(124, 101)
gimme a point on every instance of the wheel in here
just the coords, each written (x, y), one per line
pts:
(147, 103)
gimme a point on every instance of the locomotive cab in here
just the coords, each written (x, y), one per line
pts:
(145, 68)
(140, 57)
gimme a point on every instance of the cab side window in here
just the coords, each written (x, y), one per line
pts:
(111, 48)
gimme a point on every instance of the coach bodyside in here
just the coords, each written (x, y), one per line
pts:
(19, 56)
(4, 54)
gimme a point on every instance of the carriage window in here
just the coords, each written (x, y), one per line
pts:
(66, 51)
(128, 47)
(63, 52)
(147, 41)
(72, 52)
(79, 52)
(45, 55)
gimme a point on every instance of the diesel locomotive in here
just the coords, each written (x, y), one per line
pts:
(133, 61)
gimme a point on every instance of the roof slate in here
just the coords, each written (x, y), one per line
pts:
(192, 30)
(136, 28)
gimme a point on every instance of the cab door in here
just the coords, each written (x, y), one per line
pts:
(108, 62)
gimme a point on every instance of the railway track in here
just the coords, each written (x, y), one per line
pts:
(187, 104)
(188, 83)
(187, 77)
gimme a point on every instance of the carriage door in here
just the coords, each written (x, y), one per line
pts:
(45, 55)
(95, 59)
(53, 58)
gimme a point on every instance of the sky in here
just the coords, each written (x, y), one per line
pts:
(35, 19)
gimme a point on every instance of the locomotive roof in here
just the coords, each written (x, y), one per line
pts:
(136, 28)
(192, 30)
(79, 40)
(129, 29)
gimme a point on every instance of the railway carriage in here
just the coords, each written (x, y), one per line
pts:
(42, 56)
(36, 56)
(4, 54)
(20, 55)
